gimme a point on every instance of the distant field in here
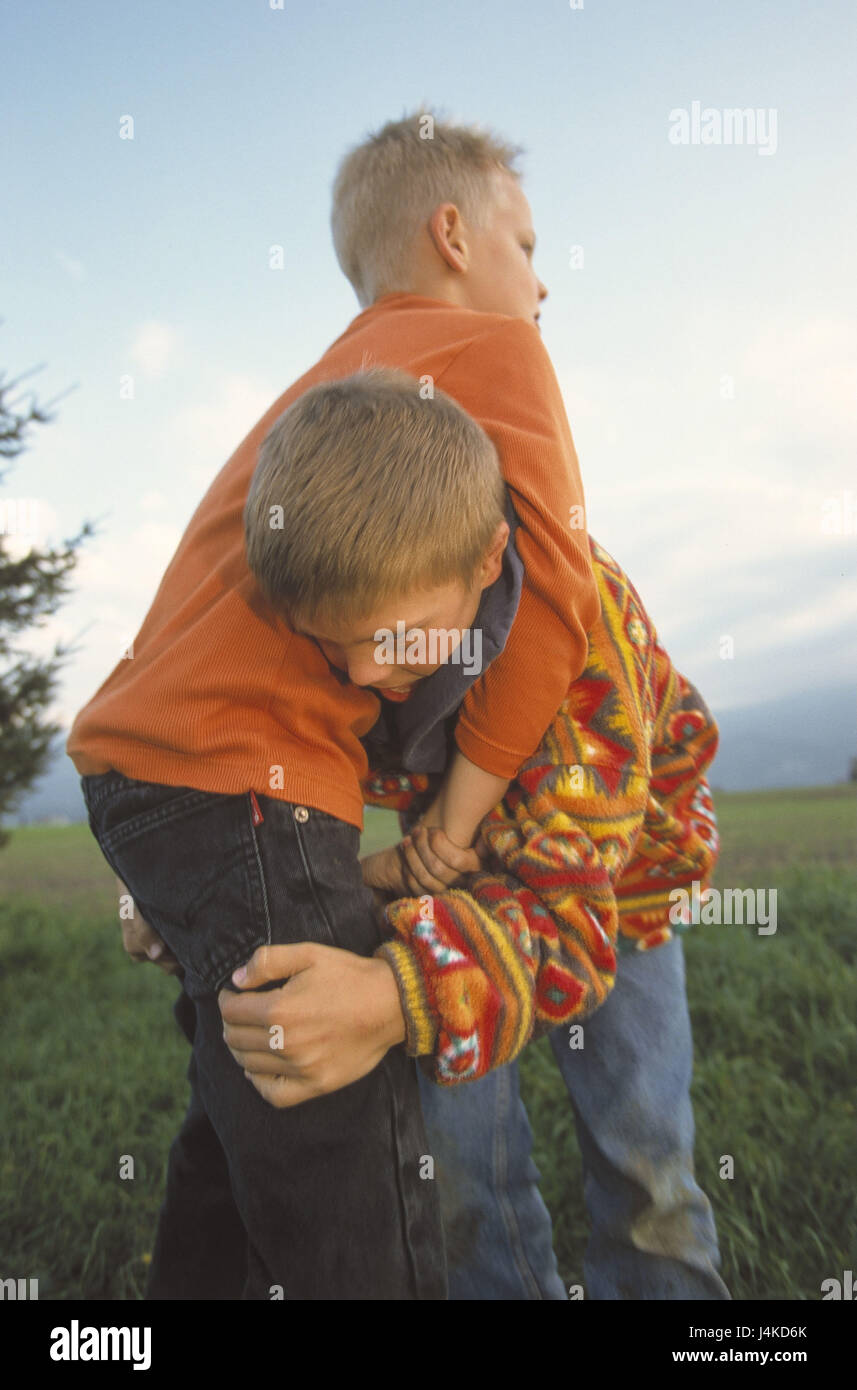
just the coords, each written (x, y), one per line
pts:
(99, 1063)
(762, 833)
(59, 864)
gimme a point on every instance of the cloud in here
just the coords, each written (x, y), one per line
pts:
(121, 571)
(205, 434)
(153, 348)
(809, 372)
(115, 582)
(719, 506)
(121, 568)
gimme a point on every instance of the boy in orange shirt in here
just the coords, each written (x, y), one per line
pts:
(234, 730)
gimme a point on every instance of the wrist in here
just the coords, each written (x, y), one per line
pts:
(391, 1019)
(382, 872)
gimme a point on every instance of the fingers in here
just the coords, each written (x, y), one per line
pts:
(463, 861)
(266, 1064)
(281, 1091)
(434, 862)
(241, 1037)
(420, 875)
(266, 964)
(251, 1049)
(141, 942)
(275, 963)
(137, 937)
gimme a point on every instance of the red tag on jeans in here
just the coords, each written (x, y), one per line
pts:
(258, 818)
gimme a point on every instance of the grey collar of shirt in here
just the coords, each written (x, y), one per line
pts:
(412, 735)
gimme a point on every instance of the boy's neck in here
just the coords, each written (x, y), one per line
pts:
(441, 292)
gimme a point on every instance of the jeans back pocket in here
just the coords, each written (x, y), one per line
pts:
(190, 861)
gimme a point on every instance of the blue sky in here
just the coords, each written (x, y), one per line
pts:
(706, 348)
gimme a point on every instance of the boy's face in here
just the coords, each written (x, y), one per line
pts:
(498, 274)
(358, 648)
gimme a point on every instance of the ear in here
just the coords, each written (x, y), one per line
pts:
(446, 229)
(492, 561)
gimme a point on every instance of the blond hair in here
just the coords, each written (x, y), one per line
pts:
(386, 189)
(364, 492)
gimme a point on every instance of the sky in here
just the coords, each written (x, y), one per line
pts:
(700, 316)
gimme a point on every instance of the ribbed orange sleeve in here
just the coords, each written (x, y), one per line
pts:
(507, 382)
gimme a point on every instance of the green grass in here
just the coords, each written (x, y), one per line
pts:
(97, 1064)
(765, 833)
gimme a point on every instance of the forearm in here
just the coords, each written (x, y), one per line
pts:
(467, 795)
(503, 717)
(388, 1005)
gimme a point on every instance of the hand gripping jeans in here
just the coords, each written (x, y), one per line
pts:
(323, 1201)
(652, 1233)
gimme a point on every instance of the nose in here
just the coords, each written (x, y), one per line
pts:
(543, 293)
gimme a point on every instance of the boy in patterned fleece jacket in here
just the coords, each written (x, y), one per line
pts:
(610, 815)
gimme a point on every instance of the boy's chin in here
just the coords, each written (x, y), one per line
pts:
(409, 684)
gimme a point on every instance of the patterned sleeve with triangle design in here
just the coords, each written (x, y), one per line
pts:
(610, 814)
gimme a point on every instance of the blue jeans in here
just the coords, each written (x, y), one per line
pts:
(323, 1201)
(652, 1233)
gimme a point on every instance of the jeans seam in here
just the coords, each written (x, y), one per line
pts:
(404, 1205)
(224, 976)
(311, 883)
(506, 1205)
(261, 870)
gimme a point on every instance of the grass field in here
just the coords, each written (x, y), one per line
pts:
(97, 1063)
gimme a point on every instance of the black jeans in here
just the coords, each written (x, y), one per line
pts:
(322, 1201)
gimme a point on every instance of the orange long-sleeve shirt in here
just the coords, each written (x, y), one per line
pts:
(220, 694)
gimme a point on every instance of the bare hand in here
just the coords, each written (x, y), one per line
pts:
(329, 1025)
(432, 862)
(143, 944)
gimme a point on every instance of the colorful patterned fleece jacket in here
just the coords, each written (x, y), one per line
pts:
(610, 814)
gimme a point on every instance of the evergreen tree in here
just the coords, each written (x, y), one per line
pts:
(32, 587)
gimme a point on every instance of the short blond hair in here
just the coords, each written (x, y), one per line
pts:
(386, 189)
(365, 491)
